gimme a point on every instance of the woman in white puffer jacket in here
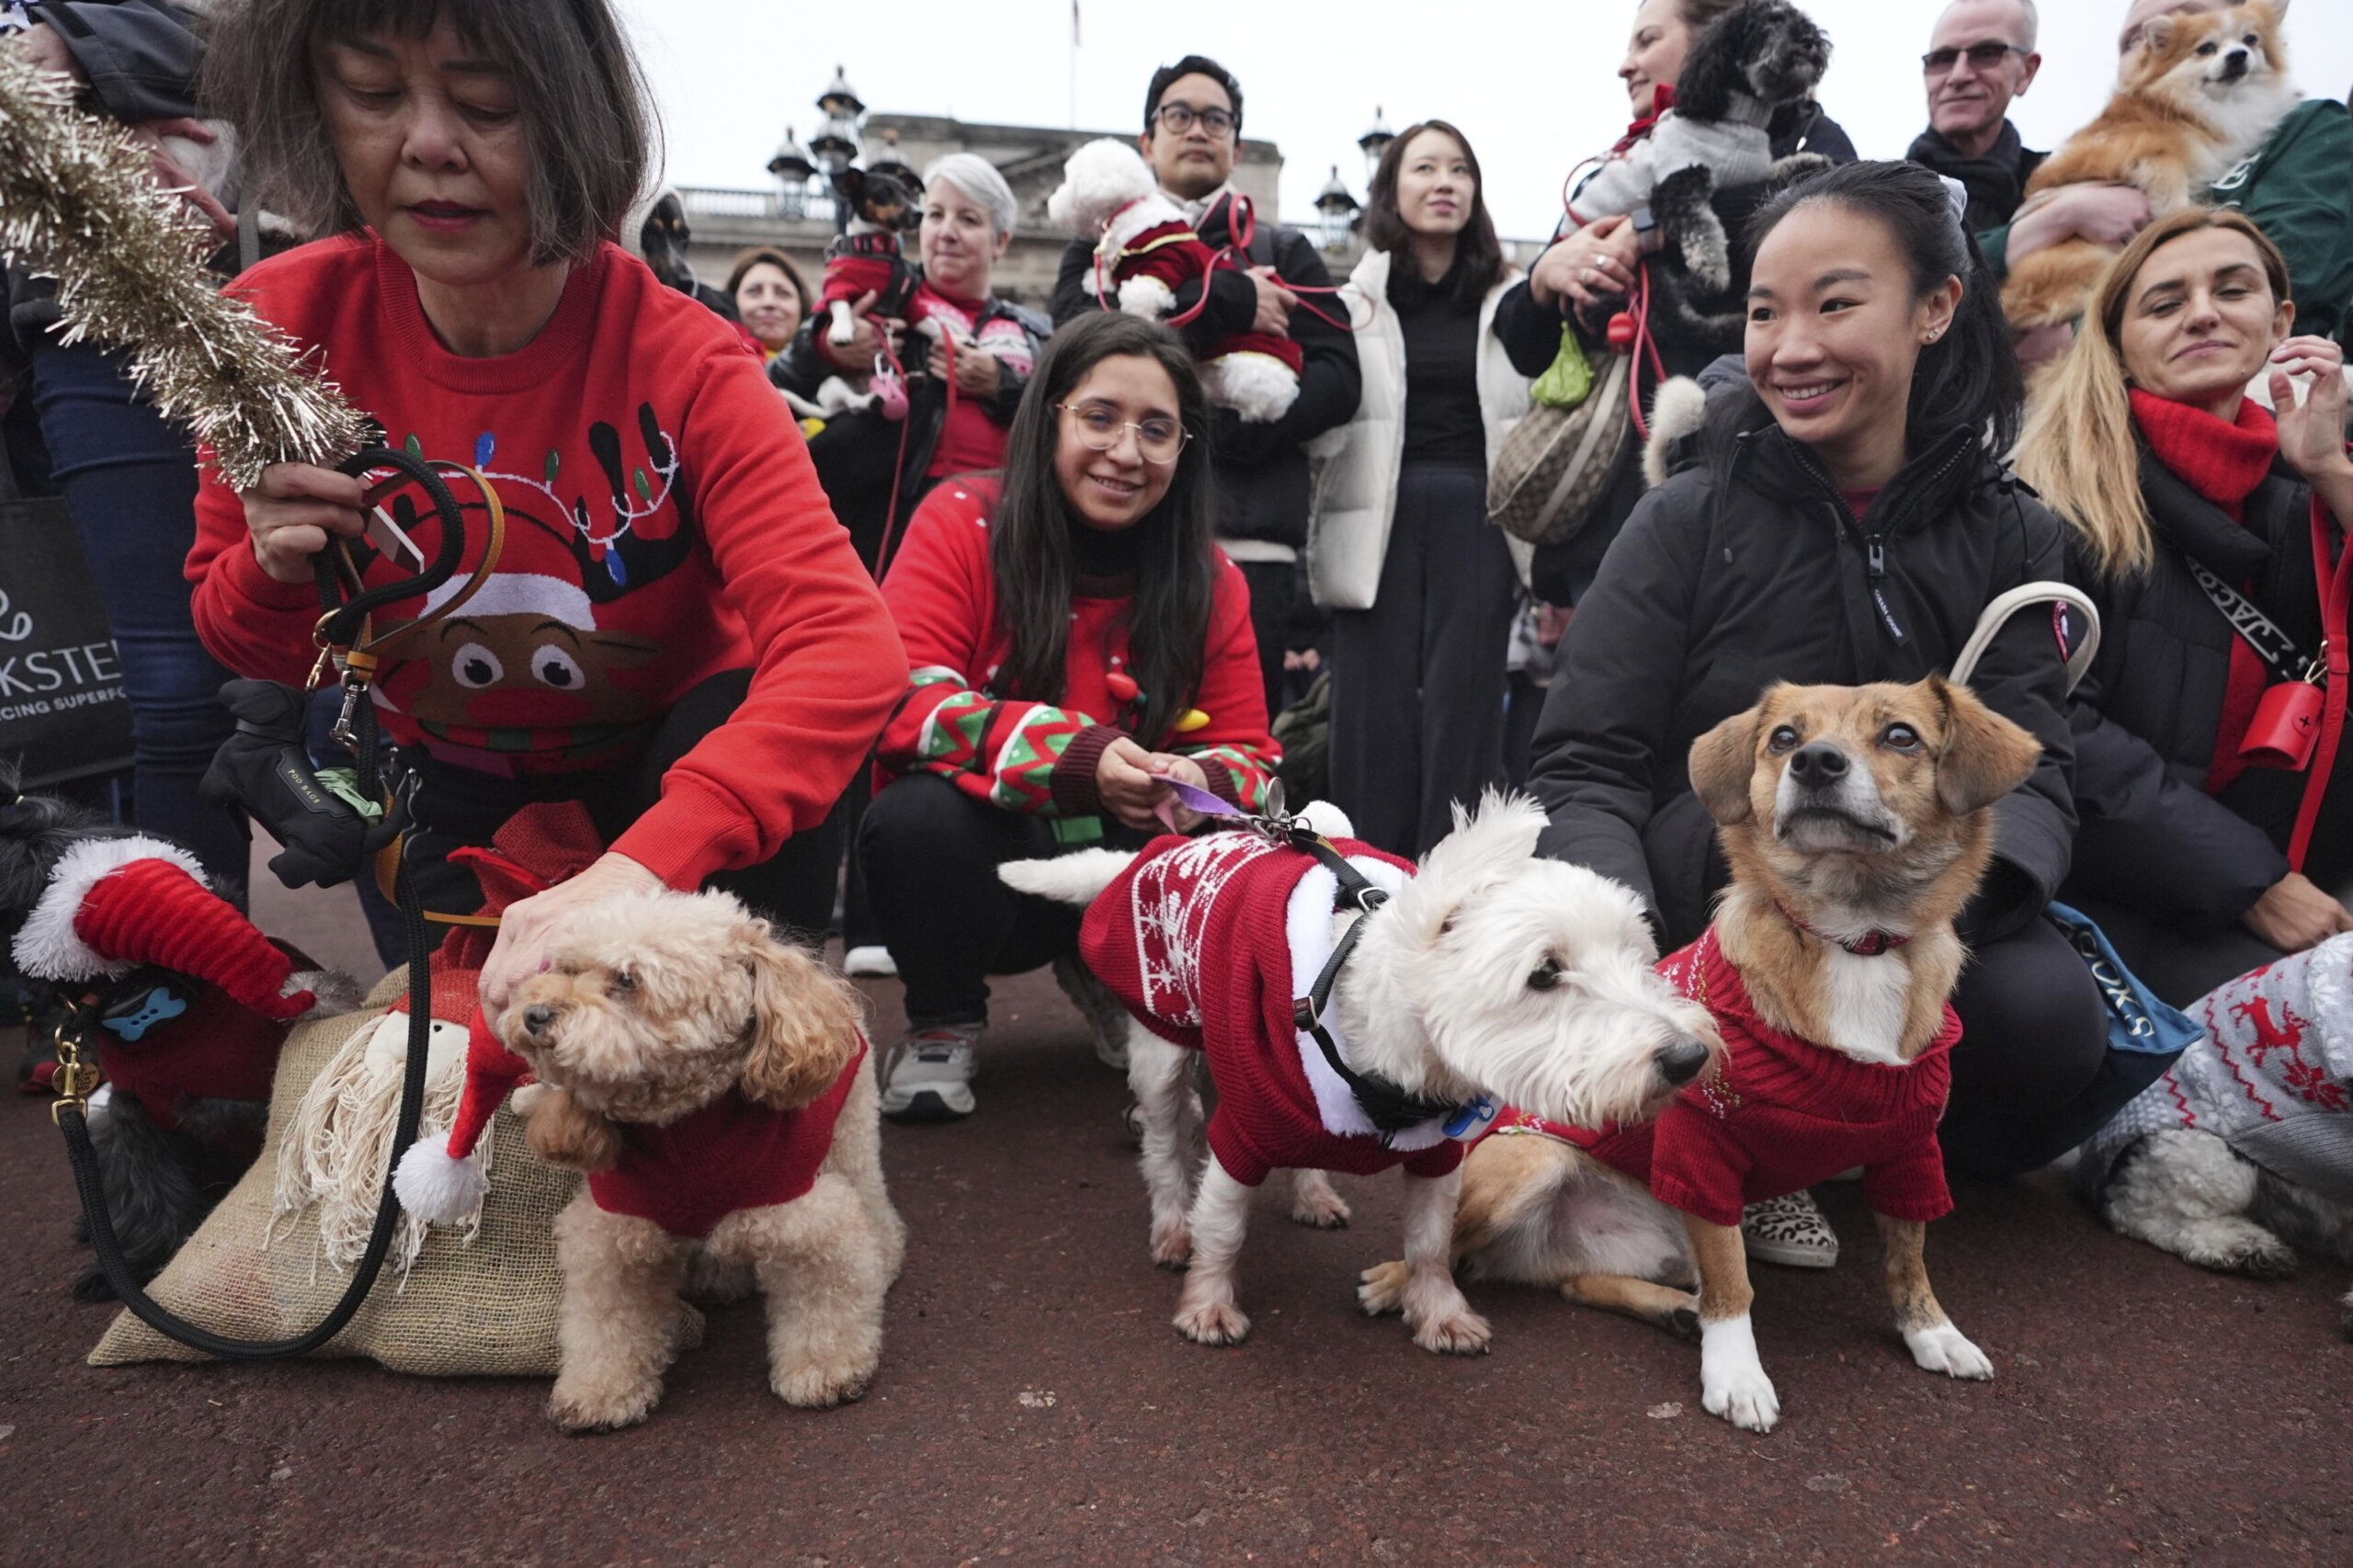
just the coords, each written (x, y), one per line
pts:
(1422, 585)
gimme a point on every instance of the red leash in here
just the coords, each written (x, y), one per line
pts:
(2337, 596)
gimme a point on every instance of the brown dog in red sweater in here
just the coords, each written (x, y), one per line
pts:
(1857, 821)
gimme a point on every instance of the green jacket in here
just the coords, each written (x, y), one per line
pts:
(2298, 187)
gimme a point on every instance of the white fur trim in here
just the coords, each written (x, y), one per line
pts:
(1258, 386)
(1676, 410)
(438, 1189)
(1150, 212)
(521, 593)
(1327, 819)
(1146, 296)
(47, 948)
(1307, 929)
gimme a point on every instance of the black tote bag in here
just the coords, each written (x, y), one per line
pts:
(62, 706)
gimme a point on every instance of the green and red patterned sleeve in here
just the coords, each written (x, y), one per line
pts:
(998, 750)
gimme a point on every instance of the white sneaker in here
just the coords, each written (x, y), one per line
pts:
(1788, 1230)
(1107, 1021)
(870, 962)
(928, 1075)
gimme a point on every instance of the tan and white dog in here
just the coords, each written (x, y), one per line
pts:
(1856, 822)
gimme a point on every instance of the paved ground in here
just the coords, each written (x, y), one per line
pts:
(1034, 1407)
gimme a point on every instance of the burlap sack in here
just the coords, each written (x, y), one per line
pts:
(483, 1307)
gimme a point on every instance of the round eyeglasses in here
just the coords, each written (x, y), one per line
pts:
(1177, 119)
(1158, 439)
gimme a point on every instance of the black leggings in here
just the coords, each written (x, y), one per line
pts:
(930, 854)
(2033, 1076)
(457, 806)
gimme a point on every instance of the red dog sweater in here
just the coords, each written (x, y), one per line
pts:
(730, 1155)
(1207, 941)
(1782, 1115)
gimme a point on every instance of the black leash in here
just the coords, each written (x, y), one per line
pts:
(338, 627)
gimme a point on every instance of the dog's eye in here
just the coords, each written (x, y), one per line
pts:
(1546, 976)
(623, 982)
(2206, 48)
(1900, 737)
(1783, 738)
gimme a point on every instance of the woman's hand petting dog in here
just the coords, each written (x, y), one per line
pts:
(524, 930)
(866, 340)
(2293, 915)
(1133, 785)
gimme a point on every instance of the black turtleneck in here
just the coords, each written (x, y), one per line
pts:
(1103, 557)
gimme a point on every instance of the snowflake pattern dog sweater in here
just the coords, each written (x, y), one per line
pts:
(1207, 942)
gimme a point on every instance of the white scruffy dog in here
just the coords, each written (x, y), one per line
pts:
(2243, 1151)
(1492, 972)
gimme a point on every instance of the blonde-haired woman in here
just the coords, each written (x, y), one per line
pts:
(2190, 505)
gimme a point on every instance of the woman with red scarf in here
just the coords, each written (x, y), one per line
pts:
(2216, 814)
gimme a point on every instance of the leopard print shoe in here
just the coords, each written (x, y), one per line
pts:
(1788, 1230)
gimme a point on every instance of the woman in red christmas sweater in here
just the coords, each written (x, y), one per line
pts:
(1075, 640)
(677, 632)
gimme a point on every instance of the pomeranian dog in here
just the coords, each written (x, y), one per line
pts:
(2195, 94)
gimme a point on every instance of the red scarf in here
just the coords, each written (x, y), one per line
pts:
(2223, 464)
(1661, 99)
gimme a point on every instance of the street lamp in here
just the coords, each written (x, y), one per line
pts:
(791, 167)
(840, 100)
(836, 144)
(1375, 141)
(1338, 210)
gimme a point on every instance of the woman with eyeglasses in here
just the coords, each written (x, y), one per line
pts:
(1076, 643)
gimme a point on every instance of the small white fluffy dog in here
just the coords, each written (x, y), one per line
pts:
(1491, 972)
(2243, 1151)
(713, 1080)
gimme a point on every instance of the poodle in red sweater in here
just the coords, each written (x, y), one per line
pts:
(1855, 820)
(714, 1082)
(1492, 974)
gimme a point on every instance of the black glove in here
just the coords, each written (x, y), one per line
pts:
(264, 771)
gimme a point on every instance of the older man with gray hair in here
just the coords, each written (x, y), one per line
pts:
(1979, 57)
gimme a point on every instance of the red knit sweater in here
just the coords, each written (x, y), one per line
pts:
(1035, 756)
(663, 524)
(730, 1155)
(1197, 939)
(1782, 1114)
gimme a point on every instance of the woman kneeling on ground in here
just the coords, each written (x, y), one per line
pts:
(1848, 524)
(1075, 641)
(2187, 496)
(677, 632)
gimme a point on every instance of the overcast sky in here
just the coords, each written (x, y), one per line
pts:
(1532, 86)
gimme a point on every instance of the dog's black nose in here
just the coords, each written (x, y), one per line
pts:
(536, 1019)
(1818, 764)
(1680, 1062)
(2234, 65)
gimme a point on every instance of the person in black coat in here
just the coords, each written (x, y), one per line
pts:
(1192, 132)
(2144, 441)
(1847, 524)
(1586, 274)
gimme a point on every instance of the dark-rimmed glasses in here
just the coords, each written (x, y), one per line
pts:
(1982, 56)
(1177, 119)
(1158, 439)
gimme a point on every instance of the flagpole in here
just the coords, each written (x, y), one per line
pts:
(1074, 64)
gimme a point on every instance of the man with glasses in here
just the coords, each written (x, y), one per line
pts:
(1192, 134)
(1979, 57)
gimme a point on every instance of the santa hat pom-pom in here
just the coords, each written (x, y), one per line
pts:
(438, 1188)
(1327, 819)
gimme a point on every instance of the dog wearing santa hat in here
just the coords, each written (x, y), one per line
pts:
(185, 1000)
(1490, 972)
(1149, 262)
(714, 1082)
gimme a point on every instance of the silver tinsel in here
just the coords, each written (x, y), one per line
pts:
(78, 202)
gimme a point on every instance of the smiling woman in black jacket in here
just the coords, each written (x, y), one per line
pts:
(2189, 857)
(1848, 525)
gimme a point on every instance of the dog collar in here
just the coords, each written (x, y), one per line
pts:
(1870, 944)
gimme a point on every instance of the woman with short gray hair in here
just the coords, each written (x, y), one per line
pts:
(675, 636)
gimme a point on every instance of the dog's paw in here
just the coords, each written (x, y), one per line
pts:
(1944, 1349)
(1172, 1242)
(2233, 1245)
(1381, 1289)
(816, 1385)
(1744, 1398)
(576, 1407)
(1682, 1322)
(92, 1286)
(1319, 1207)
(1462, 1333)
(1214, 1323)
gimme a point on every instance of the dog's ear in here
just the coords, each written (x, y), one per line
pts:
(848, 182)
(2156, 32)
(562, 1132)
(1723, 762)
(1986, 755)
(1486, 846)
(804, 1021)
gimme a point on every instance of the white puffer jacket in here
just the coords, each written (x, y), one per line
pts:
(1356, 491)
